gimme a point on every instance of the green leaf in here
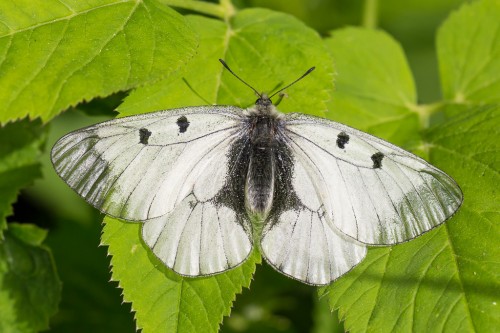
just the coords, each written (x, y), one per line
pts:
(89, 302)
(473, 238)
(30, 288)
(55, 54)
(253, 46)
(252, 43)
(163, 300)
(446, 279)
(28, 233)
(468, 46)
(21, 147)
(375, 88)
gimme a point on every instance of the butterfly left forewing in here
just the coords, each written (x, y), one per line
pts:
(140, 167)
(372, 190)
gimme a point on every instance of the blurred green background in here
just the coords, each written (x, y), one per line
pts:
(274, 303)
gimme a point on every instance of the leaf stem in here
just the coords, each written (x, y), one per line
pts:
(223, 10)
(370, 14)
(425, 112)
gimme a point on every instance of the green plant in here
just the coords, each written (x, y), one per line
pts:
(54, 55)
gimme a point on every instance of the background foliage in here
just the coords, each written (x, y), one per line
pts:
(423, 74)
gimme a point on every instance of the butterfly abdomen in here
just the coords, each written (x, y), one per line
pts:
(261, 168)
(260, 180)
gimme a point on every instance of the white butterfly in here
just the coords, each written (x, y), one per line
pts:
(210, 182)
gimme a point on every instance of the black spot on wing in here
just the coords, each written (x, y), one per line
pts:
(144, 135)
(342, 139)
(377, 160)
(183, 124)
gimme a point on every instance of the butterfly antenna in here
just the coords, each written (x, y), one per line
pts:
(291, 84)
(239, 78)
(195, 92)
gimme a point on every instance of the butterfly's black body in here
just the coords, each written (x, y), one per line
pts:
(264, 161)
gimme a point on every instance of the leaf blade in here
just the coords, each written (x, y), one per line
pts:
(468, 46)
(31, 289)
(94, 49)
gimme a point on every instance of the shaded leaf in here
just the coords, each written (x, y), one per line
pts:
(29, 286)
(89, 302)
(21, 147)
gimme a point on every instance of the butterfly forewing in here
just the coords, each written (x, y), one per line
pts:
(372, 190)
(140, 167)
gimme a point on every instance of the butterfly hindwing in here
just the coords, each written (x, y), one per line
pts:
(302, 243)
(208, 231)
(298, 239)
(371, 190)
(199, 237)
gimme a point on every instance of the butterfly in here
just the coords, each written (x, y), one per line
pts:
(209, 183)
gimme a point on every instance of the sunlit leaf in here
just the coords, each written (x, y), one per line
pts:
(54, 54)
(468, 45)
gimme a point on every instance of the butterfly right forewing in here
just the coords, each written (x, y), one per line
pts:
(373, 191)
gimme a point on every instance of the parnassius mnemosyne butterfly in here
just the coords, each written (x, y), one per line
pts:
(210, 182)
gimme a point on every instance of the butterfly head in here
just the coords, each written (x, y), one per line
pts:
(264, 107)
(263, 101)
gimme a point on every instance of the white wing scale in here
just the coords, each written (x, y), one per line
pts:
(301, 243)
